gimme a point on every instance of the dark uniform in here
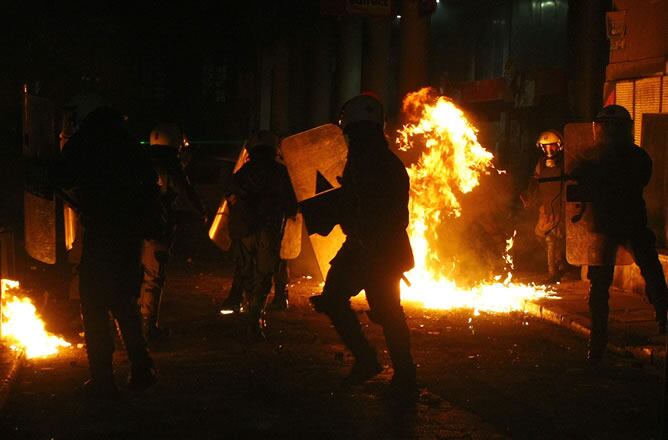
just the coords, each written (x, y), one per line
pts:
(550, 227)
(547, 196)
(280, 277)
(174, 186)
(262, 199)
(375, 254)
(113, 183)
(617, 182)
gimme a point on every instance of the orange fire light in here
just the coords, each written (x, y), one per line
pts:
(22, 327)
(450, 165)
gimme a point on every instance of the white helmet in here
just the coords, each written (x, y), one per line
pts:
(614, 113)
(167, 134)
(84, 104)
(550, 142)
(364, 107)
(613, 125)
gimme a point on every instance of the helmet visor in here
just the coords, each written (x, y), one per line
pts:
(551, 149)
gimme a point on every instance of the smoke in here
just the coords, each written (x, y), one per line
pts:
(471, 247)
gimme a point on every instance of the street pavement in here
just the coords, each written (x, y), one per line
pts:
(632, 327)
(10, 362)
(488, 376)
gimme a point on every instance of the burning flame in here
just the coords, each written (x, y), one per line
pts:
(453, 158)
(450, 165)
(22, 327)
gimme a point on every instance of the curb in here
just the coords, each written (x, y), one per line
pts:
(9, 377)
(650, 354)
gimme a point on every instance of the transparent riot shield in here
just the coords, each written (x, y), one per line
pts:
(585, 246)
(315, 158)
(291, 242)
(72, 226)
(39, 146)
(219, 232)
(70, 217)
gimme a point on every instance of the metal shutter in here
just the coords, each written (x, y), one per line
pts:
(624, 95)
(647, 100)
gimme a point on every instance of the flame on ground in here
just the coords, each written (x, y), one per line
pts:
(450, 165)
(22, 327)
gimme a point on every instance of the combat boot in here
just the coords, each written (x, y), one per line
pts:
(142, 377)
(598, 342)
(153, 333)
(257, 325)
(255, 333)
(364, 369)
(280, 301)
(404, 384)
(598, 312)
(595, 353)
(231, 305)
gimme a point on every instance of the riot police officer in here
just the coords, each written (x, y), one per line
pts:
(374, 216)
(235, 296)
(260, 198)
(167, 141)
(109, 177)
(617, 181)
(550, 227)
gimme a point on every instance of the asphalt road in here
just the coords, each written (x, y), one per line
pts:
(491, 376)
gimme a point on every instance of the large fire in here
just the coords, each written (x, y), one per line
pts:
(450, 165)
(22, 327)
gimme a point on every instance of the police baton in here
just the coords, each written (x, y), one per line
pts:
(561, 178)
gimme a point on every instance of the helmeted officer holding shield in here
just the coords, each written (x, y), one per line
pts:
(373, 213)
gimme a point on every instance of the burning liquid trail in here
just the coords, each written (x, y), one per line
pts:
(450, 165)
(22, 327)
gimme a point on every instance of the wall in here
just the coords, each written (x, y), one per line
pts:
(642, 39)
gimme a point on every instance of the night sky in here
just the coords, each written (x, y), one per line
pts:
(150, 60)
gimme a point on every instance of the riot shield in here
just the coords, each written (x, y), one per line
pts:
(219, 232)
(585, 246)
(39, 146)
(291, 242)
(315, 158)
(70, 217)
(72, 226)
